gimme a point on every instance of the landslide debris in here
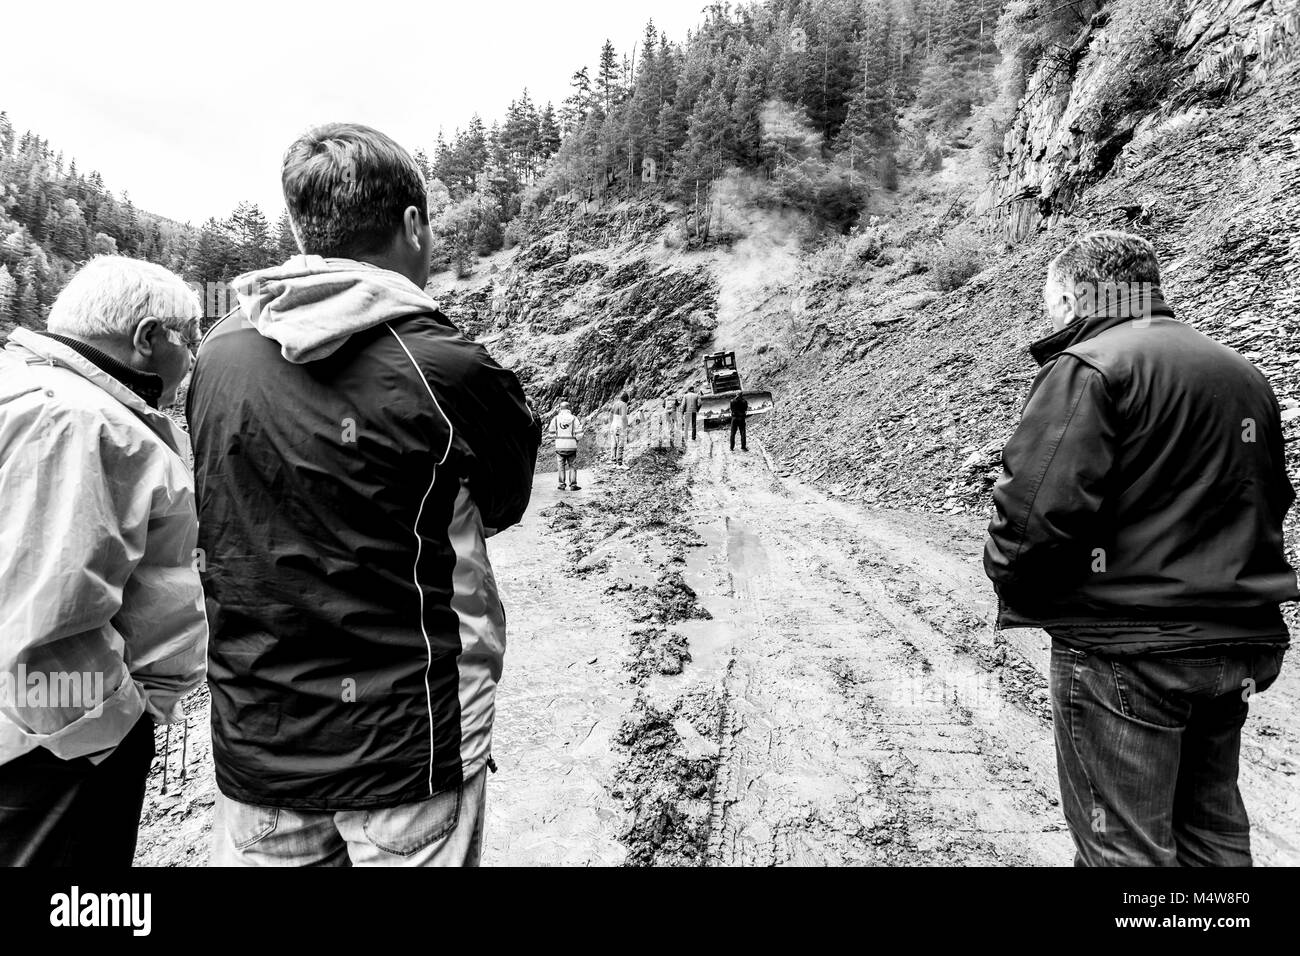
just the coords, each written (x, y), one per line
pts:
(668, 779)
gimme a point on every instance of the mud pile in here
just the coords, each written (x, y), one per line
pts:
(667, 785)
(672, 747)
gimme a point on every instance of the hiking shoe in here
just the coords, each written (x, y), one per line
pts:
(575, 487)
(562, 487)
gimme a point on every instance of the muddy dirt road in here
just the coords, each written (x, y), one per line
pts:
(847, 701)
(712, 664)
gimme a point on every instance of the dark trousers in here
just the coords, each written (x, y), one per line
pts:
(693, 415)
(56, 812)
(1147, 750)
(738, 425)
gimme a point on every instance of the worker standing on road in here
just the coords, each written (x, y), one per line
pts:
(739, 409)
(663, 423)
(618, 427)
(1139, 522)
(690, 411)
(566, 429)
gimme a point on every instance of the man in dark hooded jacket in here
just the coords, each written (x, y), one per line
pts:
(1139, 521)
(353, 452)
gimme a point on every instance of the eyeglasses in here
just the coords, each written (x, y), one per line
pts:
(189, 337)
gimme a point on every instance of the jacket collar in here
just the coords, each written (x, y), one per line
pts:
(1152, 303)
(41, 349)
(145, 384)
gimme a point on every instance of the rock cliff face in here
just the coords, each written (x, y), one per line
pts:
(1126, 71)
(593, 303)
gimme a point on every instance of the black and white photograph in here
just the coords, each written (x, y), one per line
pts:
(843, 435)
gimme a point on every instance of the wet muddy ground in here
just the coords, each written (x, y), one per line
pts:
(710, 663)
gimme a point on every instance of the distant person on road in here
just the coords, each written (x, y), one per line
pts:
(665, 418)
(102, 629)
(618, 426)
(690, 411)
(354, 451)
(565, 430)
(1139, 521)
(739, 409)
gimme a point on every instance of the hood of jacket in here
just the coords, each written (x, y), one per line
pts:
(311, 305)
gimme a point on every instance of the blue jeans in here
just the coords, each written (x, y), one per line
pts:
(1147, 749)
(444, 830)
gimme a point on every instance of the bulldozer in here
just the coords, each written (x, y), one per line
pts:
(723, 384)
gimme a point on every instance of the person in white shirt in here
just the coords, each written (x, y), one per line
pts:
(565, 429)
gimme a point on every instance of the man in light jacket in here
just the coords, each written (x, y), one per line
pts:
(102, 630)
(565, 430)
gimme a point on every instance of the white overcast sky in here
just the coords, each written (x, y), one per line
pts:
(189, 107)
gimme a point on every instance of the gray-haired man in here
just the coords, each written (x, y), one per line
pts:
(102, 629)
(1139, 521)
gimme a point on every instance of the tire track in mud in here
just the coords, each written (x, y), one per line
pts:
(860, 734)
(629, 540)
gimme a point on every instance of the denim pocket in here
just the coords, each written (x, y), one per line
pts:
(413, 826)
(1157, 692)
(1267, 665)
(247, 824)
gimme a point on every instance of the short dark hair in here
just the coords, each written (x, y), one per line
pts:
(346, 187)
(1106, 256)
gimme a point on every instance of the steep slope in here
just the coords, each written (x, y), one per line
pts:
(594, 302)
(913, 391)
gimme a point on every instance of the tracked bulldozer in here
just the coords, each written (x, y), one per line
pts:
(724, 385)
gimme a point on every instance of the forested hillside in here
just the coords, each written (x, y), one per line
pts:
(53, 217)
(823, 109)
(827, 99)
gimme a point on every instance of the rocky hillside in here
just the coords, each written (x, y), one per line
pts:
(592, 303)
(915, 390)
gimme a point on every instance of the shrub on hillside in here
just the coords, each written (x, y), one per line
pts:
(439, 254)
(826, 190)
(866, 244)
(953, 259)
(514, 234)
(487, 237)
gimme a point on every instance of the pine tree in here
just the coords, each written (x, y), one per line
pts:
(214, 257)
(747, 109)
(548, 132)
(29, 307)
(607, 86)
(422, 162)
(577, 104)
(869, 130)
(8, 297)
(252, 236)
(70, 232)
(708, 139)
(6, 136)
(286, 246)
